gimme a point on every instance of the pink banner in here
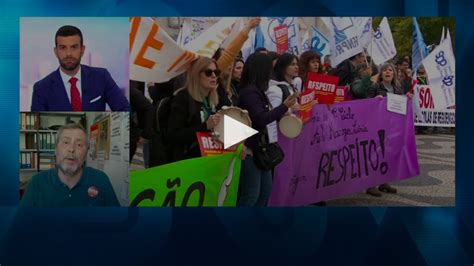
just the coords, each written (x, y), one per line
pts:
(343, 149)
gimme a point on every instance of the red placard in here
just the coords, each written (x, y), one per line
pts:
(324, 86)
(210, 146)
(281, 37)
(342, 94)
(306, 104)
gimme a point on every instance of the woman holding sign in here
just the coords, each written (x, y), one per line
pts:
(310, 61)
(387, 82)
(286, 69)
(193, 109)
(256, 183)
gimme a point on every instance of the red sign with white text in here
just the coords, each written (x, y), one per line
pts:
(306, 104)
(281, 37)
(324, 86)
(210, 146)
(342, 94)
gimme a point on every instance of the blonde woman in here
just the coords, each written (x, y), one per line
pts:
(193, 109)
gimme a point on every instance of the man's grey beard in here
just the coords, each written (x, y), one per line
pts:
(69, 172)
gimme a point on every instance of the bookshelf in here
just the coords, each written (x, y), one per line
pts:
(38, 133)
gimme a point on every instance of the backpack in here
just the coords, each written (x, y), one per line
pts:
(161, 148)
(163, 111)
(285, 91)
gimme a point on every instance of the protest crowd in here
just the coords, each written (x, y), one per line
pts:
(358, 69)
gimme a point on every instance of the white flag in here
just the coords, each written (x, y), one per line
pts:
(440, 69)
(364, 25)
(236, 28)
(345, 37)
(191, 29)
(442, 36)
(448, 39)
(383, 47)
(305, 42)
(268, 25)
(154, 55)
(210, 40)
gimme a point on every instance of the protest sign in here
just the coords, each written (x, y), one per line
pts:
(154, 56)
(204, 181)
(323, 85)
(345, 149)
(428, 112)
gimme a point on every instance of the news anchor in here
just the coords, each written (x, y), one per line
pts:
(76, 87)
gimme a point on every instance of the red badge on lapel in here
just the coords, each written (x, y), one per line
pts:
(92, 191)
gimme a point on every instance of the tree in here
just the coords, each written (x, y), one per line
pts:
(430, 27)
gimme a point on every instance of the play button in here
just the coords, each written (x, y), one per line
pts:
(234, 131)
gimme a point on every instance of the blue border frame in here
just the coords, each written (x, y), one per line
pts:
(237, 236)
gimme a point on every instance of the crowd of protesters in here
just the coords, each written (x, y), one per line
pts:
(263, 84)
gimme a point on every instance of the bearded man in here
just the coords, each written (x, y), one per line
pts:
(70, 183)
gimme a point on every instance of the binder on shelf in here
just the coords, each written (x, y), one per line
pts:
(35, 141)
(50, 144)
(27, 141)
(33, 160)
(37, 145)
(54, 139)
(28, 121)
(28, 161)
(23, 121)
(37, 121)
(47, 161)
(42, 141)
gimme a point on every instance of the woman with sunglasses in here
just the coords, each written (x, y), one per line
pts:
(256, 184)
(193, 109)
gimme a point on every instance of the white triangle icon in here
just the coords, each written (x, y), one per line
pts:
(235, 132)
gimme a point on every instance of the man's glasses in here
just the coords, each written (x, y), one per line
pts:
(208, 72)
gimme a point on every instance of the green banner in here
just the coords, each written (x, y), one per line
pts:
(204, 181)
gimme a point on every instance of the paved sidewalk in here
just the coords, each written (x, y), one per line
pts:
(434, 187)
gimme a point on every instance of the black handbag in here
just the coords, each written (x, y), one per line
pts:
(267, 155)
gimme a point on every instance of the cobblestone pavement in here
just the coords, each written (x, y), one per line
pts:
(434, 187)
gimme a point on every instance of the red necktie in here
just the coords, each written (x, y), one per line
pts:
(75, 96)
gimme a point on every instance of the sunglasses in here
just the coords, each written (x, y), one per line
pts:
(208, 72)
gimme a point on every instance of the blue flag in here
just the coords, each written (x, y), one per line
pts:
(259, 38)
(419, 49)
